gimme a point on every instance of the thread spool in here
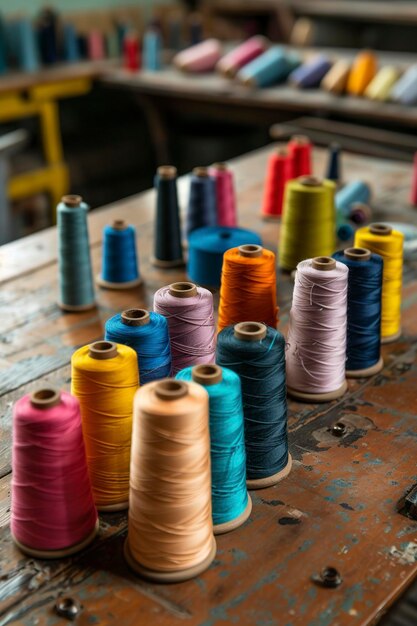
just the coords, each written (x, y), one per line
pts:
(95, 42)
(147, 333)
(231, 504)
(71, 48)
(335, 80)
(360, 213)
(311, 73)
(225, 194)
(48, 449)
(405, 89)
(413, 193)
(189, 313)
(350, 194)
(248, 286)
(308, 222)
(240, 56)
(3, 46)
(74, 263)
(131, 55)
(200, 58)
(316, 344)
(381, 85)
(299, 150)
(104, 379)
(47, 36)
(170, 534)
(257, 354)
(202, 208)
(388, 243)
(334, 163)
(152, 50)
(271, 67)
(195, 24)
(206, 247)
(279, 171)
(167, 245)
(112, 45)
(363, 351)
(28, 57)
(119, 261)
(363, 70)
(175, 32)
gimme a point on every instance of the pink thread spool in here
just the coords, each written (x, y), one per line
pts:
(413, 195)
(233, 61)
(316, 344)
(96, 50)
(225, 194)
(53, 513)
(200, 58)
(190, 316)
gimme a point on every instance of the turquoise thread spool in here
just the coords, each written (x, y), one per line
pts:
(74, 262)
(152, 50)
(119, 266)
(271, 67)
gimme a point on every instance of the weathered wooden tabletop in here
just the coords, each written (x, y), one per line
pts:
(337, 507)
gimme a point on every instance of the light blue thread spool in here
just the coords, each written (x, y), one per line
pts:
(356, 191)
(405, 89)
(74, 262)
(28, 57)
(119, 259)
(271, 67)
(231, 504)
(152, 50)
(71, 45)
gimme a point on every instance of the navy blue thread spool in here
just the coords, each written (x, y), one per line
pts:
(206, 247)
(74, 261)
(147, 333)
(202, 204)
(363, 351)
(334, 164)
(167, 245)
(119, 262)
(47, 36)
(257, 353)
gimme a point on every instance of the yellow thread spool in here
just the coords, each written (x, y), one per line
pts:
(381, 85)
(308, 221)
(388, 243)
(363, 70)
(104, 379)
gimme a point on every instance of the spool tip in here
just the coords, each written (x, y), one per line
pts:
(250, 250)
(119, 224)
(250, 331)
(380, 229)
(357, 254)
(201, 171)
(207, 374)
(170, 389)
(323, 263)
(309, 181)
(45, 398)
(102, 350)
(281, 151)
(167, 171)
(220, 166)
(135, 317)
(300, 139)
(71, 200)
(183, 290)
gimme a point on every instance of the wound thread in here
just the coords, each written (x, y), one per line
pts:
(225, 194)
(311, 73)
(202, 205)
(300, 154)
(200, 58)
(167, 245)
(271, 67)
(363, 70)
(119, 258)
(240, 56)
(279, 170)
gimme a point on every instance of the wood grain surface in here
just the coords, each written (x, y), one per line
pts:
(337, 507)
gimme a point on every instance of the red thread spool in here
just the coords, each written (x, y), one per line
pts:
(279, 171)
(413, 195)
(299, 149)
(131, 55)
(53, 513)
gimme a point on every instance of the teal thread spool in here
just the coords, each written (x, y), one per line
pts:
(231, 503)
(27, 49)
(271, 67)
(74, 262)
(119, 259)
(152, 50)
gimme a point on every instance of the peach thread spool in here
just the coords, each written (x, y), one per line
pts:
(170, 532)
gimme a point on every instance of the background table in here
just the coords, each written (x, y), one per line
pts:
(337, 507)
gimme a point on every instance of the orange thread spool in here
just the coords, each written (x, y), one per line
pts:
(248, 287)
(363, 70)
(279, 170)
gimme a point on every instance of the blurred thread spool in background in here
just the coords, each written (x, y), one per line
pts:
(240, 56)
(152, 50)
(206, 247)
(381, 85)
(225, 194)
(413, 191)
(231, 503)
(279, 171)
(248, 287)
(147, 333)
(131, 55)
(104, 379)
(405, 90)
(308, 221)
(363, 70)
(119, 258)
(195, 25)
(316, 343)
(300, 155)
(170, 531)
(190, 316)
(71, 48)
(310, 73)
(363, 350)
(200, 58)
(388, 243)
(202, 206)
(167, 246)
(334, 163)
(74, 263)
(47, 25)
(96, 50)
(271, 67)
(28, 57)
(52, 510)
(257, 354)
(352, 193)
(335, 80)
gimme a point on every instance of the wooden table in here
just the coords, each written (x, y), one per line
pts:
(337, 507)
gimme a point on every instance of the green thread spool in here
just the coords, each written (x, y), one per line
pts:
(308, 222)
(76, 285)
